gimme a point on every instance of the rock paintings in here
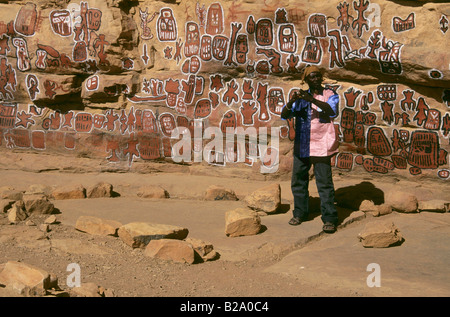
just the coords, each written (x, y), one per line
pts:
(120, 81)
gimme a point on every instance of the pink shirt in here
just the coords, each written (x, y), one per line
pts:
(324, 140)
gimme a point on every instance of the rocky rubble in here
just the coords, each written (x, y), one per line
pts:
(28, 211)
(31, 281)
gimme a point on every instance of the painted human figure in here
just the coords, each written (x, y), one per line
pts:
(7, 79)
(145, 22)
(23, 60)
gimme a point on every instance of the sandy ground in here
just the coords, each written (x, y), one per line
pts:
(281, 261)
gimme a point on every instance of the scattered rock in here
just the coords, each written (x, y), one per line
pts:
(204, 250)
(380, 234)
(437, 205)
(51, 220)
(106, 292)
(10, 193)
(57, 293)
(24, 278)
(44, 227)
(170, 249)
(69, 192)
(38, 203)
(30, 223)
(211, 256)
(139, 234)
(97, 226)
(368, 206)
(17, 212)
(215, 192)
(152, 191)
(242, 222)
(40, 189)
(267, 199)
(383, 209)
(100, 190)
(6, 204)
(86, 290)
(402, 201)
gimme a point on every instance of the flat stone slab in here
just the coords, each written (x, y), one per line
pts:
(139, 234)
(24, 278)
(170, 249)
(97, 226)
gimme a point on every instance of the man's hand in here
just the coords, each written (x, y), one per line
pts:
(294, 96)
(306, 95)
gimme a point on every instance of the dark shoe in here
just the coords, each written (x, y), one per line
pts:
(329, 227)
(295, 221)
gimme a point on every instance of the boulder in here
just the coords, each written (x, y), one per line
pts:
(380, 234)
(100, 190)
(267, 199)
(152, 191)
(38, 203)
(402, 201)
(24, 278)
(139, 234)
(215, 192)
(69, 192)
(97, 226)
(170, 249)
(242, 222)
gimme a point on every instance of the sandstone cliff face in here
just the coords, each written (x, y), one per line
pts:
(111, 80)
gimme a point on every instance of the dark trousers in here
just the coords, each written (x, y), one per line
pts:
(324, 183)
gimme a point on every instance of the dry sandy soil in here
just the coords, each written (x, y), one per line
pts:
(129, 273)
(108, 262)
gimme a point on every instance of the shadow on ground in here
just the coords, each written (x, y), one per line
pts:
(348, 199)
(352, 196)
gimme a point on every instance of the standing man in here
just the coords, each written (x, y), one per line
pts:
(315, 143)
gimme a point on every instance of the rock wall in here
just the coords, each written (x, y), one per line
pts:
(111, 80)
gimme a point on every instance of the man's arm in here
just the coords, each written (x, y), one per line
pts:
(324, 106)
(286, 112)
